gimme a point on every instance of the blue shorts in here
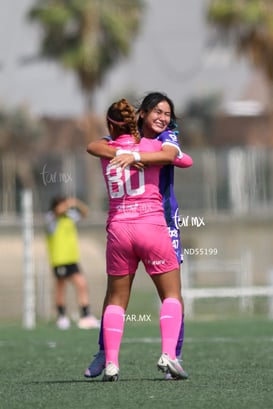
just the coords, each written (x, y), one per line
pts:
(176, 241)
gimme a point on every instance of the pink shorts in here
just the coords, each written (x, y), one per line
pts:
(129, 243)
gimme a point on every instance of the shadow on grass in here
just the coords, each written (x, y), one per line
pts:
(90, 381)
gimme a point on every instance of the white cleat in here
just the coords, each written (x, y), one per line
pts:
(88, 322)
(63, 322)
(111, 373)
(171, 367)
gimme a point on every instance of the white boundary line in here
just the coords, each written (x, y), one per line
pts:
(198, 340)
(222, 292)
(155, 340)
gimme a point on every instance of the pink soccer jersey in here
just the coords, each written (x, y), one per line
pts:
(133, 194)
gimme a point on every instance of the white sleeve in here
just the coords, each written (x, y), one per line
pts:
(179, 153)
(50, 222)
(74, 214)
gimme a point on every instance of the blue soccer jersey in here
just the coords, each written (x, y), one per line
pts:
(166, 187)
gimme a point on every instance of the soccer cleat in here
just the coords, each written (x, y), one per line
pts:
(172, 367)
(111, 373)
(97, 365)
(88, 322)
(168, 376)
(63, 322)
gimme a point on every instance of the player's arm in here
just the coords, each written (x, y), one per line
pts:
(164, 157)
(73, 202)
(185, 161)
(101, 149)
(182, 160)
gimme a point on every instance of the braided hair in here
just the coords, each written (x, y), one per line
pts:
(122, 117)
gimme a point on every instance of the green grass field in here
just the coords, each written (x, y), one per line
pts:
(230, 363)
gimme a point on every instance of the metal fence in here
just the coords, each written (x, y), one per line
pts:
(238, 180)
(230, 188)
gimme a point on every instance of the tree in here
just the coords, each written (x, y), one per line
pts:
(20, 134)
(249, 25)
(198, 118)
(87, 36)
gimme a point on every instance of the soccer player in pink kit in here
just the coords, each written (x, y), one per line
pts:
(156, 119)
(135, 203)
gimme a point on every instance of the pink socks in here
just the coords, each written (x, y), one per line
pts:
(113, 324)
(170, 323)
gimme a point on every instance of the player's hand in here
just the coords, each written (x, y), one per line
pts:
(126, 159)
(139, 166)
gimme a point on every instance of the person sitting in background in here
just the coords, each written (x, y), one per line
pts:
(63, 252)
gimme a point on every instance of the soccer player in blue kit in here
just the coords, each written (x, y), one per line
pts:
(156, 119)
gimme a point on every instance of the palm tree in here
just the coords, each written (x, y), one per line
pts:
(249, 25)
(87, 36)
